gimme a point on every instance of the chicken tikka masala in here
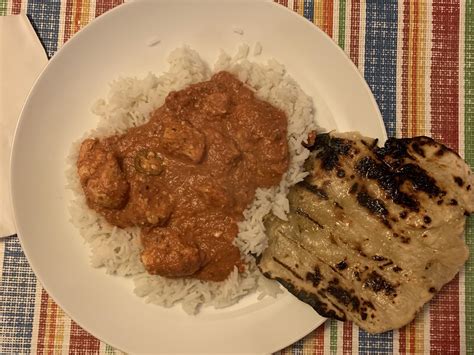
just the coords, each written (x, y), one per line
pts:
(186, 176)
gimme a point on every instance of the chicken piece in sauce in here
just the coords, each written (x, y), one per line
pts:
(101, 177)
(186, 176)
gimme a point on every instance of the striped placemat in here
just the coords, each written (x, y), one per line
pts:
(417, 57)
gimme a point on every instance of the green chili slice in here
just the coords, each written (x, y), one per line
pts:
(149, 162)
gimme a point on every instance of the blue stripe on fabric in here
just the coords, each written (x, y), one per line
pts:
(380, 344)
(297, 348)
(380, 72)
(381, 57)
(308, 9)
(45, 16)
(17, 300)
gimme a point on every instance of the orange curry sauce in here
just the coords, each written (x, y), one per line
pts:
(187, 175)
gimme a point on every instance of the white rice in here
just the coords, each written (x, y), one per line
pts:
(130, 102)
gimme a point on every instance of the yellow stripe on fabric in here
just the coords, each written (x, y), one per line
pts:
(81, 14)
(415, 334)
(410, 91)
(416, 69)
(300, 7)
(419, 332)
(86, 15)
(50, 327)
(420, 57)
(54, 335)
(399, 90)
(318, 15)
(410, 83)
(59, 334)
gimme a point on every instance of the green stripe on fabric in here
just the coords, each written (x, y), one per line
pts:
(469, 154)
(3, 7)
(110, 350)
(342, 24)
(469, 280)
(333, 337)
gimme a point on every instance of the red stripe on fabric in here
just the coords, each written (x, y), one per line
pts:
(347, 338)
(42, 322)
(414, 80)
(444, 325)
(282, 2)
(319, 340)
(68, 21)
(328, 17)
(102, 6)
(405, 56)
(16, 7)
(411, 326)
(444, 311)
(52, 325)
(445, 73)
(402, 340)
(355, 23)
(296, 5)
(77, 16)
(81, 342)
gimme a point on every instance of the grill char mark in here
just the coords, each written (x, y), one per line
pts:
(458, 181)
(420, 179)
(341, 265)
(305, 214)
(288, 268)
(312, 299)
(374, 205)
(344, 296)
(314, 189)
(315, 277)
(368, 168)
(418, 149)
(377, 283)
(391, 171)
(330, 149)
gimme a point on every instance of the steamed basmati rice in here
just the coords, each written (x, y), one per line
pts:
(130, 102)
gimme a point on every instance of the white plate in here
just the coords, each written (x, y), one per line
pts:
(58, 112)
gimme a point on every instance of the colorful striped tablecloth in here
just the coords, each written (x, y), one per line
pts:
(417, 57)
